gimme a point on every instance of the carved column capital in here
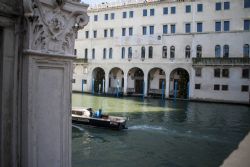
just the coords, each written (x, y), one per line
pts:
(53, 24)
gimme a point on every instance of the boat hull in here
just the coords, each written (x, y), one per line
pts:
(100, 123)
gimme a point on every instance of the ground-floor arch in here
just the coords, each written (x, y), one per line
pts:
(135, 81)
(156, 82)
(116, 81)
(98, 80)
(179, 84)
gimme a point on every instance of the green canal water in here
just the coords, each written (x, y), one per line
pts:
(159, 134)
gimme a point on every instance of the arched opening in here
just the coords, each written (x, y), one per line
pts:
(187, 52)
(135, 81)
(98, 80)
(156, 82)
(179, 84)
(116, 81)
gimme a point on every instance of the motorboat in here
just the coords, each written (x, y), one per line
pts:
(88, 117)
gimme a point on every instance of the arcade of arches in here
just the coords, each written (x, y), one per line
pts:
(137, 82)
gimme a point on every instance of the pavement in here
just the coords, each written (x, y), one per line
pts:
(241, 156)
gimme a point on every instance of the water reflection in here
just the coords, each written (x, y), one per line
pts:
(160, 133)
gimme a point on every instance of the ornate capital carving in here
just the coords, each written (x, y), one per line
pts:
(53, 24)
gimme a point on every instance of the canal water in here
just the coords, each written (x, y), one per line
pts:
(159, 134)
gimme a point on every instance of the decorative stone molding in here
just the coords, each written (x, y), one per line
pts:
(53, 24)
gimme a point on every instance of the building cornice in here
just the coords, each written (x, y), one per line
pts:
(108, 7)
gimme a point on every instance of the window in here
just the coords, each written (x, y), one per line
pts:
(143, 52)
(106, 17)
(225, 51)
(225, 73)
(246, 51)
(95, 17)
(131, 14)
(86, 54)
(217, 26)
(226, 25)
(199, 7)
(110, 53)
(173, 10)
(164, 52)
(123, 52)
(112, 32)
(165, 11)
(152, 12)
(145, 12)
(112, 17)
(130, 53)
(188, 8)
(187, 52)
(172, 52)
(86, 34)
(93, 54)
(172, 28)
(105, 33)
(198, 51)
(218, 6)
(199, 27)
(245, 73)
(216, 87)
(187, 27)
(226, 5)
(224, 87)
(150, 52)
(123, 31)
(165, 29)
(130, 31)
(144, 30)
(197, 86)
(217, 51)
(151, 30)
(247, 25)
(246, 3)
(124, 15)
(75, 51)
(217, 73)
(244, 88)
(198, 72)
(95, 33)
(104, 53)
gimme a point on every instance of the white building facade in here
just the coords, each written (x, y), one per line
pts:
(186, 49)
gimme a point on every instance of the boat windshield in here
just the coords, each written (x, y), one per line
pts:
(77, 112)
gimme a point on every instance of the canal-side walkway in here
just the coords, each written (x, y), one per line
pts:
(241, 156)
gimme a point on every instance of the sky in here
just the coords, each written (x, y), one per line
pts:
(96, 1)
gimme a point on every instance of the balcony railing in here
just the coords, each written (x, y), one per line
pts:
(213, 61)
(81, 60)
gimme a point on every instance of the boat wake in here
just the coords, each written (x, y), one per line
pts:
(146, 127)
(78, 127)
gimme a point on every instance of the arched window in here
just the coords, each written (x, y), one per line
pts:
(226, 51)
(110, 53)
(130, 52)
(143, 52)
(246, 50)
(164, 52)
(150, 52)
(123, 52)
(172, 52)
(187, 52)
(86, 53)
(93, 53)
(104, 53)
(198, 51)
(217, 51)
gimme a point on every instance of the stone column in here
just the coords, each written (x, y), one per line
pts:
(167, 84)
(125, 83)
(106, 82)
(146, 84)
(47, 75)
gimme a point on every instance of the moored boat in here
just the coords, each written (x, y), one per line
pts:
(88, 117)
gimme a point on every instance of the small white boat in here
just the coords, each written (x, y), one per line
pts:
(88, 117)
